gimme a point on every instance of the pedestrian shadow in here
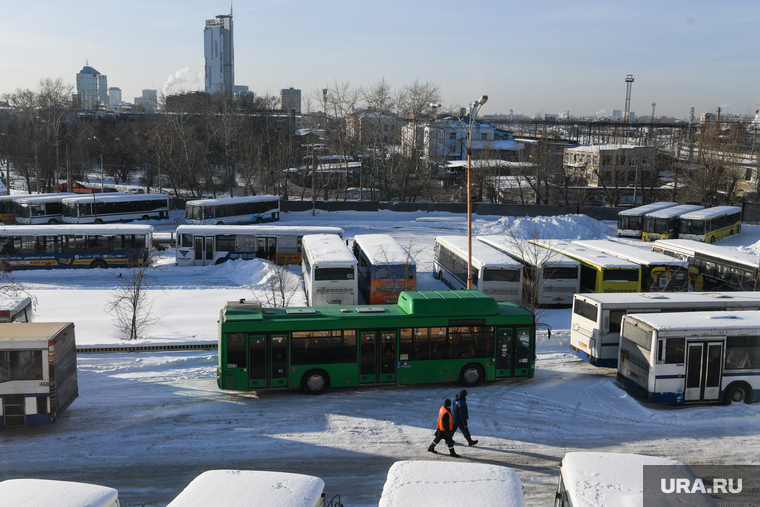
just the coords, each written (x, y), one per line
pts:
(550, 470)
(545, 457)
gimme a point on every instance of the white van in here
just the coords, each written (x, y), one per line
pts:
(46, 493)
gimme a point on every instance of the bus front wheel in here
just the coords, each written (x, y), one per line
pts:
(145, 217)
(314, 382)
(52, 221)
(259, 220)
(98, 265)
(98, 221)
(471, 375)
(736, 394)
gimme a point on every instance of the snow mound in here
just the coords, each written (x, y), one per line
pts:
(557, 227)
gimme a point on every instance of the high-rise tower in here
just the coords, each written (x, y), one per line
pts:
(219, 51)
(92, 88)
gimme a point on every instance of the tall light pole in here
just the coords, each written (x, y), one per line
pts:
(474, 110)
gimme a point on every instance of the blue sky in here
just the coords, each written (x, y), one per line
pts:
(532, 57)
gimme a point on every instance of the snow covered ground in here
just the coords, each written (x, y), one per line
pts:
(148, 423)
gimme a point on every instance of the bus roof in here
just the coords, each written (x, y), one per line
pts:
(31, 199)
(37, 492)
(631, 253)
(482, 254)
(711, 212)
(277, 230)
(587, 255)
(716, 323)
(233, 200)
(28, 332)
(383, 249)
(417, 483)
(647, 208)
(521, 248)
(92, 229)
(596, 479)
(249, 488)
(113, 197)
(689, 246)
(674, 211)
(649, 299)
(327, 249)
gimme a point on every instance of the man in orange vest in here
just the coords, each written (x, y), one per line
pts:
(445, 429)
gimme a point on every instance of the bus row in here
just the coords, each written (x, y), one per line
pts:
(669, 220)
(586, 479)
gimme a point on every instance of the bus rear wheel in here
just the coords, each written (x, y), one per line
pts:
(471, 375)
(737, 394)
(314, 382)
(259, 220)
(98, 265)
(52, 221)
(98, 221)
(145, 217)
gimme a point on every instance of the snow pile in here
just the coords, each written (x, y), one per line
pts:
(557, 227)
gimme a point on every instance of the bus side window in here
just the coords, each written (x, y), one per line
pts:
(616, 317)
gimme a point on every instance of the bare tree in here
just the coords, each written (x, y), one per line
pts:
(278, 286)
(129, 301)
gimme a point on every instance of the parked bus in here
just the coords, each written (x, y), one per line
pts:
(251, 209)
(711, 224)
(385, 268)
(329, 271)
(252, 488)
(659, 272)
(549, 277)
(427, 337)
(600, 272)
(596, 319)
(418, 483)
(38, 372)
(602, 479)
(201, 245)
(493, 272)
(8, 206)
(691, 357)
(74, 246)
(720, 268)
(663, 224)
(630, 221)
(40, 209)
(16, 308)
(115, 207)
(43, 492)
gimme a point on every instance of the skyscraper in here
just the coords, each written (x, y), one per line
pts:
(290, 100)
(92, 87)
(219, 51)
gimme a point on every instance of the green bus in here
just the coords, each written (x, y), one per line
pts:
(428, 336)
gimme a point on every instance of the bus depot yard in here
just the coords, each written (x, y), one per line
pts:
(148, 423)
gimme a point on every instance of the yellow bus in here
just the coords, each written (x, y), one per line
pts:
(663, 224)
(711, 224)
(600, 272)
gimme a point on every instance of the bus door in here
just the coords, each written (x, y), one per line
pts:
(378, 357)
(504, 351)
(513, 353)
(267, 361)
(204, 250)
(266, 248)
(703, 371)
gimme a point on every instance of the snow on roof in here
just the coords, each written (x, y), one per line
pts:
(711, 212)
(647, 208)
(482, 254)
(674, 211)
(521, 249)
(92, 229)
(249, 488)
(687, 245)
(607, 479)
(420, 483)
(232, 200)
(35, 198)
(585, 254)
(327, 249)
(274, 230)
(631, 253)
(113, 197)
(666, 299)
(718, 323)
(37, 492)
(383, 249)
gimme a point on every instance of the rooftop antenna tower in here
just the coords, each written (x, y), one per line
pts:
(629, 83)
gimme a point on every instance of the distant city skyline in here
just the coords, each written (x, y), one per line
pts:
(532, 58)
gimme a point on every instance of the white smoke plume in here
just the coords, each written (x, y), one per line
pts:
(180, 80)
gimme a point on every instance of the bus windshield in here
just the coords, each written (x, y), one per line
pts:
(322, 274)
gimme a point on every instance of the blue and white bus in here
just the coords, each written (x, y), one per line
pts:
(252, 209)
(40, 208)
(74, 246)
(115, 207)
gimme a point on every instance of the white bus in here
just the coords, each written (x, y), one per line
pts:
(630, 221)
(115, 207)
(438, 483)
(597, 318)
(663, 224)
(40, 209)
(691, 357)
(603, 479)
(38, 372)
(494, 273)
(252, 488)
(551, 276)
(711, 224)
(251, 209)
(43, 492)
(329, 271)
(659, 272)
(202, 245)
(15, 308)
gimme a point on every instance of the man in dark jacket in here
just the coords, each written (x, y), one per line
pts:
(445, 429)
(460, 416)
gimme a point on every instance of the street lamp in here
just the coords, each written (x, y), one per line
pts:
(474, 110)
